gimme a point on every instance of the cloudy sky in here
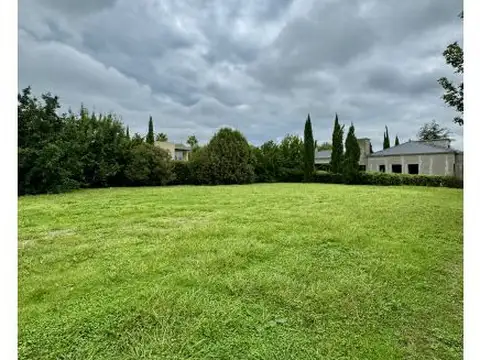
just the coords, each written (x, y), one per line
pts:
(257, 65)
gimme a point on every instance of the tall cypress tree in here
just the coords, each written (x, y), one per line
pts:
(352, 156)
(386, 139)
(309, 153)
(128, 133)
(150, 136)
(397, 142)
(371, 148)
(336, 158)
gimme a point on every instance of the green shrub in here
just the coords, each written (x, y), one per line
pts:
(227, 159)
(149, 165)
(290, 175)
(327, 177)
(182, 171)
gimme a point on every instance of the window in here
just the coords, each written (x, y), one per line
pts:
(363, 167)
(381, 168)
(396, 168)
(413, 168)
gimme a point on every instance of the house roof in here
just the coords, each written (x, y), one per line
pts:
(323, 154)
(182, 147)
(414, 148)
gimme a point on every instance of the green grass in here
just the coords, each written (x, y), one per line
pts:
(281, 271)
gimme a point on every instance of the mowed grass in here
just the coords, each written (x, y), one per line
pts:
(280, 271)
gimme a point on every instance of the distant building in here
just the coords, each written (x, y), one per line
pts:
(177, 151)
(435, 157)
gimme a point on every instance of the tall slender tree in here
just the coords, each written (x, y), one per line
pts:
(352, 156)
(309, 153)
(128, 133)
(371, 148)
(397, 142)
(336, 158)
(150, 136)
(386, 139)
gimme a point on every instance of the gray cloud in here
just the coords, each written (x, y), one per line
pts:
(259, 66)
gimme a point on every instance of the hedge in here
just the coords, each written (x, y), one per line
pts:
(385, 179)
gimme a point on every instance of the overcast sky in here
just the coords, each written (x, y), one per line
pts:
(256, 65)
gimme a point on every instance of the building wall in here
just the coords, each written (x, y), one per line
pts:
(182, 154)
(364, 145)
(459, 166)
(435, 164)
(170, 147)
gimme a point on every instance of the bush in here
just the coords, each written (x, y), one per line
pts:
(227, 159)
(148, 165)
(323, 167)
(291, 175)
(327, 178)
(385, 179)
(182, 171)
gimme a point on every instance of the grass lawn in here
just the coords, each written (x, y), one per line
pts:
(280, 271)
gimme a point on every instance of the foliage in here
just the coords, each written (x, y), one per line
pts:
(371, 148)
(323, 167)
(192, 141)
(433, 131)
(309, 151)
(183, 174)
(389, 179)
(350, 167)
(386, 139)
(336, 159)
(227, 159)
(397, 142)
(453, 95)
(161, 137)
(150, 135)
(128, 133)
(291, 151)
(267, 162)
(101, 147)
(137, 139)
(324, 146)
(149, 165)
(45, 164)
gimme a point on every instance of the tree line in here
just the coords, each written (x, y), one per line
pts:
(61, 152)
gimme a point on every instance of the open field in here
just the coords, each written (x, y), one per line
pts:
(280, 271)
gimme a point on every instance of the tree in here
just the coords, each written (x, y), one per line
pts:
(128, 133)
(336, 159)
(227, 159)
(453, 95)
(46, 162)
(433, 131)
(397, 142)
(371, 148)
(192, 141)
(161, 137)
(137, 139)
(309, 151)
(324, 146)
(386, 139)
(149, 165)
(291, 150)
(352, 156)
(267, 162)
(150, 137)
